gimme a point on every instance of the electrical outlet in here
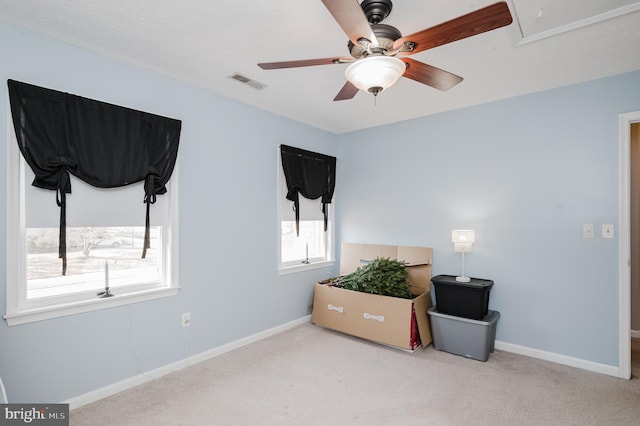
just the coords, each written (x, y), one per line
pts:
(186, 319)
(607, 231)
(587, 230)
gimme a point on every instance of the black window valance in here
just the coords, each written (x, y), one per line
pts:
(309, 174)
(105, 145)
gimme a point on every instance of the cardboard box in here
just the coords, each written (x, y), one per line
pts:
(383, 319)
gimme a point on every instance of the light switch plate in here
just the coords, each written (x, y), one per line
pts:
(587, 230)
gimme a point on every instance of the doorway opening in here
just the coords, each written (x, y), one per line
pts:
(629, 235)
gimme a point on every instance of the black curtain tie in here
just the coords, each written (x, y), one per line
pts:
(64, 187)
(149, 198)
(296, 208)
(325, 212)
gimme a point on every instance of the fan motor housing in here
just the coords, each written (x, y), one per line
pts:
(385, 34)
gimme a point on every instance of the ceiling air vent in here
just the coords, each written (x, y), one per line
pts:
(246, 80)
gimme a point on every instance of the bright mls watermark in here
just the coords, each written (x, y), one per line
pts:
(36, 414)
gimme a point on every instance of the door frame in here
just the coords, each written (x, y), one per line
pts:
(624, 240)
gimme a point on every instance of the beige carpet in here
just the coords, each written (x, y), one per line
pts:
(312, 376)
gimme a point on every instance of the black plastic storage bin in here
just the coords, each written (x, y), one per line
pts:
(467, 300)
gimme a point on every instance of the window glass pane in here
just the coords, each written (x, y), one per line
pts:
(89, 250)
(311, 244)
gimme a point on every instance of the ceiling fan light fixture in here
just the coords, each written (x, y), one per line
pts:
(373, 74)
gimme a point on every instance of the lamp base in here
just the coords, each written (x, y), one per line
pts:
(463, 279)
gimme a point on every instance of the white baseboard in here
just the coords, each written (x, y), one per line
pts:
(635, 334)
(559, 359)
(148, 376)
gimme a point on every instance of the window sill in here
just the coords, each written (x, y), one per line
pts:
(282, 270)
(54, 311)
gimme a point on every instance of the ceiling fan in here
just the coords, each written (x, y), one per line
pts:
(379, 52)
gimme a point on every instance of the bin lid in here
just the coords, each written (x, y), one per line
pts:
(489, 319)
(451, 280)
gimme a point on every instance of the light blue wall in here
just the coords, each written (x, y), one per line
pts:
(525, 173)
(228, 231)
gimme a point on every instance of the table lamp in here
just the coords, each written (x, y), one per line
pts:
(462, 240)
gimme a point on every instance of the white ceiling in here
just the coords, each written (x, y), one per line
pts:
(551, 43)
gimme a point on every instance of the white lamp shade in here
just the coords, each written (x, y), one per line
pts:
(463, 236)
(462, 240)
(375, 72)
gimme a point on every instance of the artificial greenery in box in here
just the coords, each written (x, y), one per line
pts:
(382, 276)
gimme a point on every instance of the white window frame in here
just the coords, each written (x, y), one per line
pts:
(292, 267)
(18, 309)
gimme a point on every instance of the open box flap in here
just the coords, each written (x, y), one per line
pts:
(354, 255)
(422, 304)
(415, 255)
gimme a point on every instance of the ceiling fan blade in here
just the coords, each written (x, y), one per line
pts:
(303, 63)
(429, 75)
(351, 18)
(348, 91)
(486, 19)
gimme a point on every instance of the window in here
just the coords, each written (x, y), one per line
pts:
(309, 246)
(96, 256)
(105, 230)
(313, 247)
